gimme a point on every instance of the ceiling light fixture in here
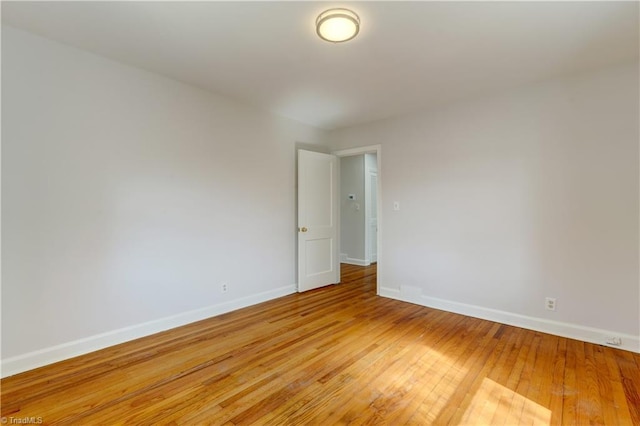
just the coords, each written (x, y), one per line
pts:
(337, 25)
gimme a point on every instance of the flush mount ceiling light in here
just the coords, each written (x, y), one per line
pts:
(337, 25)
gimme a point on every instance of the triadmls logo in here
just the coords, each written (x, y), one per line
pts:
(27, 420)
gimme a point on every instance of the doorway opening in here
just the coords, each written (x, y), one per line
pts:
(360, 206)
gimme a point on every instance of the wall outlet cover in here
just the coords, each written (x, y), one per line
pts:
(550, 303)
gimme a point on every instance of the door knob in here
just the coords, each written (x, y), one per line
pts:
(303, 229)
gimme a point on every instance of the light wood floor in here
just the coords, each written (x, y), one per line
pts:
(338, 355)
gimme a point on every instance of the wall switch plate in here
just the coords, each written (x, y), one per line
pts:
(396, 205)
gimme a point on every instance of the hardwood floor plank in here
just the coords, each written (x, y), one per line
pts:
(336, 355)
(628, 364)
(590, 409)
(556, 393)
(605, 389)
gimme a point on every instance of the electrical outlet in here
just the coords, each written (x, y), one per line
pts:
(613, 340)
(550, 303)
(224, 287)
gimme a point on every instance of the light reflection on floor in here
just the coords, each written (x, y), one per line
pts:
(494, 401)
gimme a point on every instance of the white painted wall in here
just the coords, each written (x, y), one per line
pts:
(128, 198)
(516, 196)
(352, 213)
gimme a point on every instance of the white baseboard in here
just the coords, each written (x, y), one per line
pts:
(391, 293)
(572, 331)
(344, 258)
(39, 358)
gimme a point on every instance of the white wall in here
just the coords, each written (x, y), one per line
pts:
(514, 197)
(128, 198)
(352, 213)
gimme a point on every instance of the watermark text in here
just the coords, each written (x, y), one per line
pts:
(26, 420)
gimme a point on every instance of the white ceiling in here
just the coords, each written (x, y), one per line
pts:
(408, 55)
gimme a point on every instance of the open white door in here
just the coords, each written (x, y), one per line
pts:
(318, 263)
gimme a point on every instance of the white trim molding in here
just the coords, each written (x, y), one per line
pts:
(42, 357)
(598, 336)
(344, 258)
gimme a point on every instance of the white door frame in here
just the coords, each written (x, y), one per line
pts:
(370, 149)
(370, 176)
